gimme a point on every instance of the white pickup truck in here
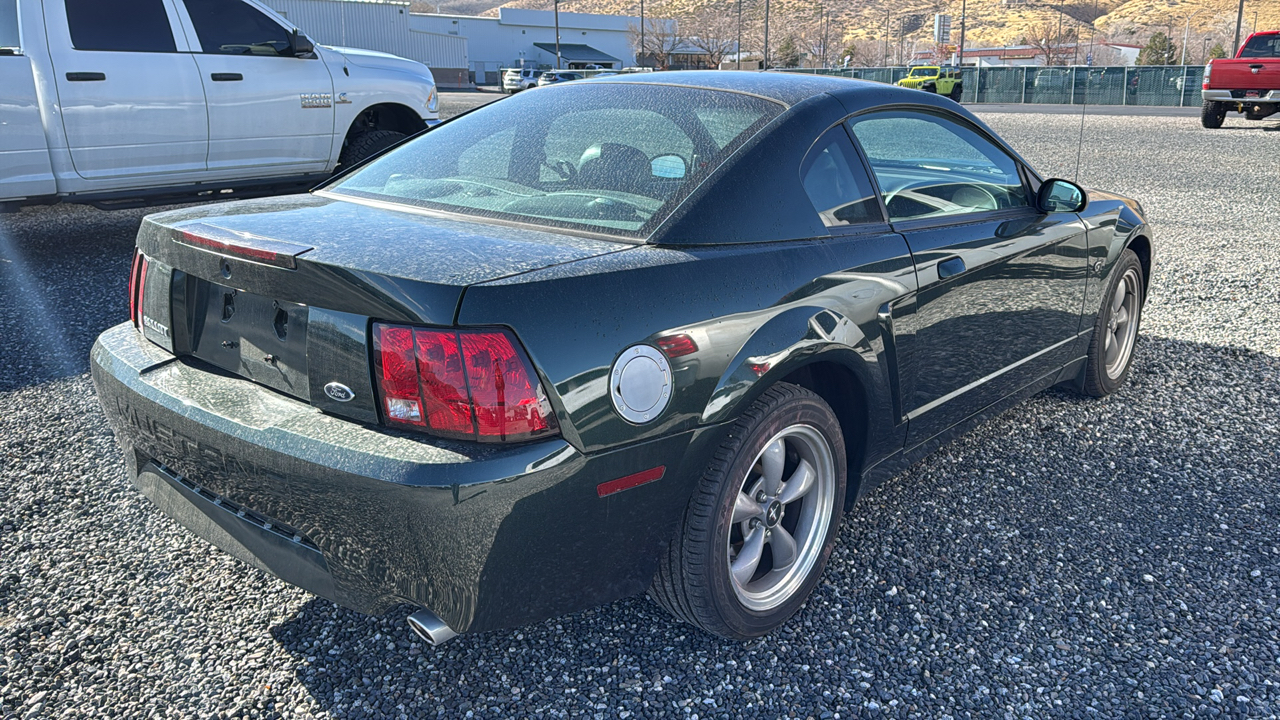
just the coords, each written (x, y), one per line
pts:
(120, 103)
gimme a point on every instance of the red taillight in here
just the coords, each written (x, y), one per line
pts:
(133, 287)
(137, 287)
(469, 384)
(677, 345)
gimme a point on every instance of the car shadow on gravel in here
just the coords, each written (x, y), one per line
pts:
(1072, 552)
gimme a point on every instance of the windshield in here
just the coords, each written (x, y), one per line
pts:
(598, 156)
(923, 72)
(8, 23)
(1262, 46)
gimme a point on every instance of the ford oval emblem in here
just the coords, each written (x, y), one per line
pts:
(339, 392)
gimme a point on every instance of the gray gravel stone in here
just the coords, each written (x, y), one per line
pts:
(1073, 557)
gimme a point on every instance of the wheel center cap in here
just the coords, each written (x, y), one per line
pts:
(773, 513)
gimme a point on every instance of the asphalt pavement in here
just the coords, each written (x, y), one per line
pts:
(1071, 558)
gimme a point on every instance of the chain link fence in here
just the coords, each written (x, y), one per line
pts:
(1155, 85)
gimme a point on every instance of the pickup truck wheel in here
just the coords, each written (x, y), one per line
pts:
(1212, 114)
(757, 533)
(1115, 331)
(957, 91)
(367, 144)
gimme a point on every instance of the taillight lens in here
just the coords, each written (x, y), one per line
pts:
(466, 384)
(137, 286)
(1204, 82)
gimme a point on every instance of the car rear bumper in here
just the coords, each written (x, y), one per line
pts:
(1225, 96)
(484, 537)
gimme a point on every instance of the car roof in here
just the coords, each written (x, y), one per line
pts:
(784, 87)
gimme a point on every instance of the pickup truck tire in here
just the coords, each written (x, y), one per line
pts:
(367, 144)
(956, 91)
(1212, 114)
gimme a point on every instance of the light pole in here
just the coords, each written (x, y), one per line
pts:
(766, 34)
(960, 53)
(739, 34)
(1235, 44)
(1204, 51)
(639, 60)
(826, 31)
(1186, 34)
(557, 12)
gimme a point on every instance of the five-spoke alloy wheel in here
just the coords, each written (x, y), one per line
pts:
(757, 533)
(1115, 331)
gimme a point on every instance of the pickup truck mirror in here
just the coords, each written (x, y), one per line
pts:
(1059, 195)
(302, 46)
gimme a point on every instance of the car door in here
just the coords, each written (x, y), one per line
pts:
(1001, 284)
(267, 108)
(131, 101)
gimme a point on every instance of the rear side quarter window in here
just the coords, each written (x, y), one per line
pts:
(119, 26)
(837, 183)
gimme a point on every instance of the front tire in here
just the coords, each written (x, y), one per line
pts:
(1212, 114)
(757, 533)
(1115, 331)
(366, 145)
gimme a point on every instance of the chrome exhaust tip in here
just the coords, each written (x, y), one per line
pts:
(431, 628)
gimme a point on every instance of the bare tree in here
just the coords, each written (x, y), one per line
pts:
(662, 36)
(712, 29)
(1050, 42)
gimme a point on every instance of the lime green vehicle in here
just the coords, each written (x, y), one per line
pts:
(934, 79)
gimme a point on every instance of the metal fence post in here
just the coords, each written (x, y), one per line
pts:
(1024, 85)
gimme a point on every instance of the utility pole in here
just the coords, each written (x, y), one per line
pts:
(826, 27)
(739, 34)
(1058, 39)
(641, 31)
(1235, 44)
(766, 33)
(557, 8)
(887, 32)
(960, 54)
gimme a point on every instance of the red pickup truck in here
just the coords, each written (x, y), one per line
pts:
(1249, 83)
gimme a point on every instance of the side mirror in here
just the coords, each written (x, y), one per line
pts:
(1059, 195)
(302, 45)
(670, 167)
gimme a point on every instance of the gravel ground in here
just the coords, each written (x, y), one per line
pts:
(1113, 558)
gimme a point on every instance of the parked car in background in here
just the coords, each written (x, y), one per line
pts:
(656, 344)
(126, 102)
(1249, 83)
(940, 80)
(551, 77)
(516, 79)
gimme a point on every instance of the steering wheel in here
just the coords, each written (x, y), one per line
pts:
(986, 201)
(565, 169)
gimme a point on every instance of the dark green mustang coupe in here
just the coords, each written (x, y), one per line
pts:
(638, 333)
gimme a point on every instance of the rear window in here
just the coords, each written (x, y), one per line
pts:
(1263, 46)
(599, 156)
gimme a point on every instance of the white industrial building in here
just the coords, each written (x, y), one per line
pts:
(463, 49)
(519, 38)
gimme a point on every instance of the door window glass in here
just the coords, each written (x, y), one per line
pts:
(928, 165)
(231, 27)
(837, 184)
(119, 25)
(8, 23)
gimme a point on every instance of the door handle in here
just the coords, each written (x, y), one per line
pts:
(950, 266)
(226, 77)
(86, 77)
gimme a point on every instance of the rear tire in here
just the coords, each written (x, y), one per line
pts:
(1115, 331)
(366, 145)
(957, 91)
(1212, 114)
(743, 578)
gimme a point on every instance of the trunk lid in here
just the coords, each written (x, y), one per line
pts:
(282, 291)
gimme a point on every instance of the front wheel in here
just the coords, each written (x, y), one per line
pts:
(366, 145)
(758, 531)
(1115, 330)
(1212, 114)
